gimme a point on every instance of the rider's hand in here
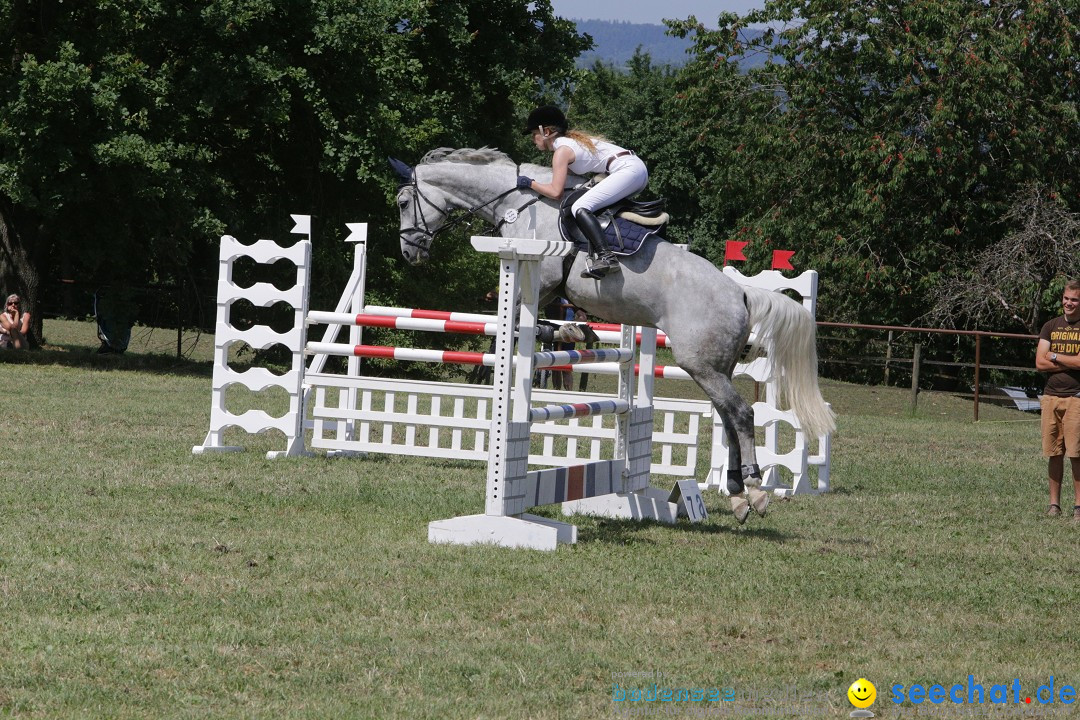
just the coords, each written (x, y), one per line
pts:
(524, 183)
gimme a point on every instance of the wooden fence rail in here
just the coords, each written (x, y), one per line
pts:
(917, 362)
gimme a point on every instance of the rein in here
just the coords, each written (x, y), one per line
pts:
(428, 235)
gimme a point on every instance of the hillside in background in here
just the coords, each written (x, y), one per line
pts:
(616, 42)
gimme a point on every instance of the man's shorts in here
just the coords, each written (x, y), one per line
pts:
(1060, 426)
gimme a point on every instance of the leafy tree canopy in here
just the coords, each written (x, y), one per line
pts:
(887, 141)
(133, 133)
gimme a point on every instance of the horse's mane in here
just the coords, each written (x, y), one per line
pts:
(482, 156)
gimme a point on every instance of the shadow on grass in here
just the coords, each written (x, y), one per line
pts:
(81, 357)
(620, 531)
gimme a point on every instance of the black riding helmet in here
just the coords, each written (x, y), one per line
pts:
(544, 116)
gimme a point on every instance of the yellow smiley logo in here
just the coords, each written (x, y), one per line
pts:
(862, 693)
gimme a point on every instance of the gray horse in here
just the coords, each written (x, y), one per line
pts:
(706, 315)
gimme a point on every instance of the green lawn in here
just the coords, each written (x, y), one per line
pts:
(139, 581)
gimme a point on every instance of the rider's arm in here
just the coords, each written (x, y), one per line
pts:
(560, 162)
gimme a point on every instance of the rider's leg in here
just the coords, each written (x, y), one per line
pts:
(601, 260)
(627, 177)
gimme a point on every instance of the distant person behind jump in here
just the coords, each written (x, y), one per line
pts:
(580, 153)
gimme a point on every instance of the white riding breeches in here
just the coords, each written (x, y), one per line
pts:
(626, 176)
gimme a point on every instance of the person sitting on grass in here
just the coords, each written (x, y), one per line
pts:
(14, 325)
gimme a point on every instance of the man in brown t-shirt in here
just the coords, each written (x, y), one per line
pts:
(1058, 354)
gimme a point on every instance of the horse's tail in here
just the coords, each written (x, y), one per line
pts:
(787, 333)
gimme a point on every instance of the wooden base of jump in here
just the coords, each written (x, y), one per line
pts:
(524, 531)
(532, 532)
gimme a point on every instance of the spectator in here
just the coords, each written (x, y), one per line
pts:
(1058, 355)
(14, 325)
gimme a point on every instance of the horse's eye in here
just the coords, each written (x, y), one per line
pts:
(403, 203)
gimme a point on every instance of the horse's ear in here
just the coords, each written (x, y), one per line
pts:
(404, 171)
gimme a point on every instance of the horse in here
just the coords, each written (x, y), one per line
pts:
(706, 315)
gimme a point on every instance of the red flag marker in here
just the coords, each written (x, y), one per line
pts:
(734, 250)
(781, 259)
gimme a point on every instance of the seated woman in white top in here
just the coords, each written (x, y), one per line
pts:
(14, 324)
(580, 153)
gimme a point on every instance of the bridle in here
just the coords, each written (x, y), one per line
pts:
(427, 235)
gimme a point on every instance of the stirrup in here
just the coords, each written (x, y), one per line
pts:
(600, 267)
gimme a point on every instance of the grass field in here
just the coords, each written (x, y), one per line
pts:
(139, 581)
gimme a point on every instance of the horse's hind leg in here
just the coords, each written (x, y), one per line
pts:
(743, 475)
(743, 481)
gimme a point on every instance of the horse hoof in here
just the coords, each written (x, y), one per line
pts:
(570, 333)
(759, 500)
(740, 507)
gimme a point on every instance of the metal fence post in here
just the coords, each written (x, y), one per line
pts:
(915, 377)
(978, 359)
(888, 356)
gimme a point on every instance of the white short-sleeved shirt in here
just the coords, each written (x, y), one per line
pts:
(584, 161)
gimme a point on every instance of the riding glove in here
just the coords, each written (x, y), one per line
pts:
(524, 183)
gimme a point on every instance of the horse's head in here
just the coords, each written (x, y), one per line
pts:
(422, 214)
(475, 181)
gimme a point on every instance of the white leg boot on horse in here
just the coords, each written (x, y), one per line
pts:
(745, 496)
(601, 260)
(759, 499)
(753, 498)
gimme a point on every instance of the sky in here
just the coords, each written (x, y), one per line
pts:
(651, 11)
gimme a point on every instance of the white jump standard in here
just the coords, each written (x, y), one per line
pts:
(619, 485)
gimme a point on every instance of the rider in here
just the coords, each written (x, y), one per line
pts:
(577, 152)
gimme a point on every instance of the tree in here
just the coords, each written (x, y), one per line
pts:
(1022, 274)
(132, 134)
(886, 141)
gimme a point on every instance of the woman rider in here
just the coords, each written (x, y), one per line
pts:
(579, 153)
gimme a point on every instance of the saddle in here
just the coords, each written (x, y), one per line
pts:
(627, 223)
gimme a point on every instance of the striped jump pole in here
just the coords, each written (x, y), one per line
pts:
(671, 372)
(458, 357)
(465, 357)
(547, 359)
(400, 322)
(463, 322)
(617, 356)
(579, 410)
(427, 314)
(610, 332)
(668, 372)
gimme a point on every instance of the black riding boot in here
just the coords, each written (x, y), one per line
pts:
(601, 260)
